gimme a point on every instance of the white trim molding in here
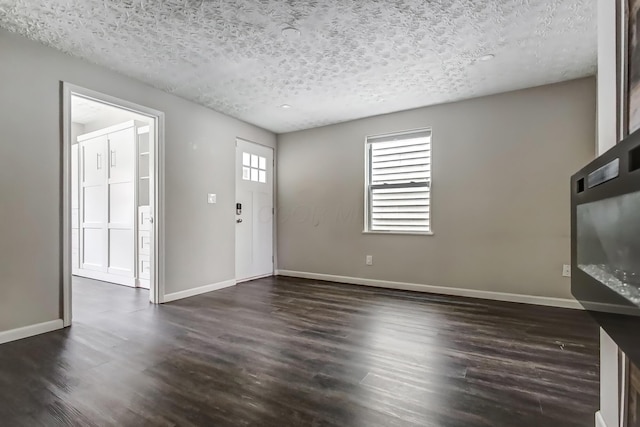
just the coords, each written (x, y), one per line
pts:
(30, 331)
(599, 420)
(200, 290)
(157, 286)
(442, 290)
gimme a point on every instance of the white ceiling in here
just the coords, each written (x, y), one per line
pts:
(354, 58)
(85, 111)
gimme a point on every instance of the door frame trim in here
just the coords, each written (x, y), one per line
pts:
(67, 90)
(274, 230)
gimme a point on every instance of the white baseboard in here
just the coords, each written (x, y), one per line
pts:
(599, 420)
(30, 331)
(472, 293)
(197, 291)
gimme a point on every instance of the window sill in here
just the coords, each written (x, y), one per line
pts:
(399, 233)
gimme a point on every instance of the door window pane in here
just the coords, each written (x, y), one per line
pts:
(254, 168)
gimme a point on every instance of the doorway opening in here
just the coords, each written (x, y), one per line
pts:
(254, 211)
(112, 173)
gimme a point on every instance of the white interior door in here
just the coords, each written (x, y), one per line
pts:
(254, 213)
(122, 208)
(93, 200)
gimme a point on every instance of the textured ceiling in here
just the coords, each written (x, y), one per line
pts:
(353, 58)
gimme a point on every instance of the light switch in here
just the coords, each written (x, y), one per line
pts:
(212, 198)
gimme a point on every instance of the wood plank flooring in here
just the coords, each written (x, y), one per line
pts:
(292, 352)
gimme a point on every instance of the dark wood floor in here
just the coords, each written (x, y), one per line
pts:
(290, 352)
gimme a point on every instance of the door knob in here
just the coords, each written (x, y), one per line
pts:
(150, 220)
(239, 220)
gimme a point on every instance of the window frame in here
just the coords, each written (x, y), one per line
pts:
(368, 188)
(247, 166)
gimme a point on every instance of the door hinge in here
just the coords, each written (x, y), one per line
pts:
(273, 211)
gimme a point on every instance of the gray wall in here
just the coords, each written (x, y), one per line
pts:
(501, 168)
(200, 148)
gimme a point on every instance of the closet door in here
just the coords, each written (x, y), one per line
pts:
(93, 204)
(121, 212)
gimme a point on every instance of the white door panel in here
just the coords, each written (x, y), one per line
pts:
(254, 224)
(121, 252)
(121, 203)
(93, 199)
(93, 249)
(145, 268)
(144, 218)
(122, 208)
(263, 232)
(244, 236)
(144, 243)
(122, 155)
(94, 202)
(93, 161)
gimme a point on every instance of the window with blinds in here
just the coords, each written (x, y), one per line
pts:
(399, 182)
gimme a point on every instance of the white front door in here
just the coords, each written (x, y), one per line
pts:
(254, 210)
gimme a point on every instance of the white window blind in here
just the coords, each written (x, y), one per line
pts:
(399, 182)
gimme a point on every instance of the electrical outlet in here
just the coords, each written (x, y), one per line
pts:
(369, 259)
(566, 270)
(211, 198)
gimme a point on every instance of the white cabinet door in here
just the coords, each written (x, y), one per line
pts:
(93, 161)
(122, 209)
(122, 155)
(93, 202)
